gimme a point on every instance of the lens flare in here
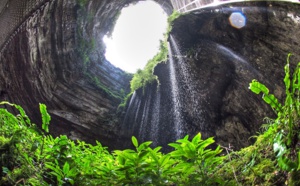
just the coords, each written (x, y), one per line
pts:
(237, 20)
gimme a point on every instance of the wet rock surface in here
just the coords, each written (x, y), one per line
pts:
(214, 67)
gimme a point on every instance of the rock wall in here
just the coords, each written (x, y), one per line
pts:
(213, 69)
(57, 58)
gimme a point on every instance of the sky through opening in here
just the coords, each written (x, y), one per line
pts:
(135, 39)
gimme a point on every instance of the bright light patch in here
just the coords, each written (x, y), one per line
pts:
(237, 20)
(135, 39)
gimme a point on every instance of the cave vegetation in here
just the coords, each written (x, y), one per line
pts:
(218, 105)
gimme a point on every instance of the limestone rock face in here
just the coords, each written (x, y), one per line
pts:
(213, 65)
(226, 59)
(57, 58)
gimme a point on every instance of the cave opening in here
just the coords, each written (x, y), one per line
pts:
(136, 35)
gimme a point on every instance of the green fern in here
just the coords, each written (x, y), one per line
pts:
(45, 117)
(285, 130)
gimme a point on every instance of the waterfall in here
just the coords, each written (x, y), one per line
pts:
(178, 122)
(143, 125)
(129, 107)
(184, 71)
(189, 86)
(166, 112)
(154, 123)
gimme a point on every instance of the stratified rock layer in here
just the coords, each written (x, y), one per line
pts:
(56, 57)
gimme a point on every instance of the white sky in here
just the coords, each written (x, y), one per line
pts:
(135, 39)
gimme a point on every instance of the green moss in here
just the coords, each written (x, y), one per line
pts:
(143, 77)
(82, 3)
(96, 81)
(253, 165)
(124, 102)
(171, 19)
(4, 142)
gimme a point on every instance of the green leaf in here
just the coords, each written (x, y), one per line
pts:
(154, 155)
(272, 101)
(164, 160)
(189, 150)
(45, 117)
(55, 170)
(175, 145)
(71, 181)
(286, 164)
(121, 160)
(287, 80)
(66, 168)
(5, 170)
(157, 149)
(35, 145)
(144, 145)
(134, 141)
(279, 148)
(298, 161)
(142, 154)
(196, 139)
(21, 110)
(257, 87)
(295, 78)
(205, 143)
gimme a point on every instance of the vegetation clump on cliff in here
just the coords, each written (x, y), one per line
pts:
(30, 156)
(143, 77)
(146, 76)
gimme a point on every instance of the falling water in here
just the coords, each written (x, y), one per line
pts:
(129, 106)
(178, 122)
(236, 58)
(143, 126)
(189, 86)
(187, 79)
(137, 116)
(154, 125)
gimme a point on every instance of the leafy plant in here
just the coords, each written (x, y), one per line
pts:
(143, 77)
(196, 164)
(31, 156)
(45, 117)
(64, 174)
(285, 128)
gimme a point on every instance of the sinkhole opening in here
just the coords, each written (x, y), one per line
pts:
(136, 36)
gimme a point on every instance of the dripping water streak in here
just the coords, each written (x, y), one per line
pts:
(142, 129)
(190, 83)
(137, 112)
(230, 53)
(155, 119)
(129, 107)
(184, 71)
(175, 96)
